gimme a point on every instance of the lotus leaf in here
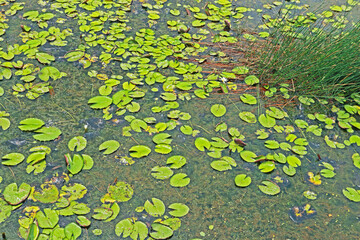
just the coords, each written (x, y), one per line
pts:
(47, 219)
(179, 209)
(111, 146)
(156, 208)
(269, 188)
(139, 151)
(121, 191)
(31, 124)
(247, 117)
(160, 231)
(161, 172)
(12, 159)
(218, 110)
(179, 180)
(14, 195)
(78, 142)
(47, 133)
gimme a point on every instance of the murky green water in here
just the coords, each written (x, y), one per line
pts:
(218, 208)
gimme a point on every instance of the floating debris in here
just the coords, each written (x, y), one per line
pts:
(299, 214)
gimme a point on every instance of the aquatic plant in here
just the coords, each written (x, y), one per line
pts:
(313, 56)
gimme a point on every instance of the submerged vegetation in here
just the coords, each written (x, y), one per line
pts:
(147, 120)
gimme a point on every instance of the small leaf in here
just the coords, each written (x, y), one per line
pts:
(251, 80)
(179, 180)
(218, 110)
(179, 209)
(242, 180)
(139, 151)
(269, 188)
(12, 159)
(47, 133)
(100, 102)
(31, 124)
(156, 208)
(78, 142)
(110, 146)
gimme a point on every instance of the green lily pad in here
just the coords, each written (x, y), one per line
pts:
(248, 156)
(162, 138)
(75, 164)
(31, 124)
(242, 180)
(5, 210)
(121, 191)
(33, 232)
(139, 151)
(74, 192)
(78, 142)
(251, 80)
(14, 195)
(220, 165)
(161, 172)
(269, 188)
(356, 160)
(138, 124)
(12, 159)
(102, 213)
(352, 194)
(176, 161)
(47, 133)
(139, 231)
(179, 180)
(110, 146)
(293, 161)
(88, 162)
(248, 98)
(179, 209)
(100, 102)
(49, 193)
(218, 110)
(116, 210)
(124, 228)
(44, 58)
(160, 231)
(49, 72)
(47, 219)
(272, 144)
(267, 121)
(72, 231)
(202, 143)
(289, 170)
(163, 148)
(267, 166)
(83, 221)
(156, 208)
(247, 117)
(4, 123)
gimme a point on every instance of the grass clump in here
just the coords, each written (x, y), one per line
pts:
(316, 58)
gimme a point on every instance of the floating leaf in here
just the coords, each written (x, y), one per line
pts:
(110, 146)
(4, 123)
(220, 165)
(44, 58)
(78, 142)
(176, 162)
(12, 159)
(242, 180)
(156, 208)
(161, 172)
(356, 160)
(72, 231)
(247, 117)
(75, 164)
(179, 209)
(293, 161)
(121, 191)
(267, 121)
(352, 194)
(160, 138)
(31, 124)
(251, 80)
(47, 133)
(139, 151)
(218, 110)
(102, 213)
(289, 170)
(267, 166)
(49, 193)
(100, 102)
(202, 143)
(14, 195)
(269, 188)
(83, 221)
(160, 231)
(179, 180)
(163, 148)
(248, 98)
(248, 156)
(124, 228)
(47, 219)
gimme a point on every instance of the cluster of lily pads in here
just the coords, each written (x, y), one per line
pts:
(168, 70)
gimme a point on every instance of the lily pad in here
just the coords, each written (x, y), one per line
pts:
(220, 165)
(352, 194)
(12, 159)
(248, 98)
(139, 151)
(251, 80)
(83, 221)
(75, 164)
(179, 180)
(72, 231)
(160, 231)
(156, 208)
(110, 146)
(179, 209)
(202, 143)
(14, 195)
(247, 117)
(161, 172)
(31, 124)
(267, 121)
(218, 110)
(176, 161)
(242, 180)
(163, 148)
(47, 219)
(47, 133)
(49, 193)
(78, 142)
(102, 213)
(269, 188)
(121, 191)
(100, 102)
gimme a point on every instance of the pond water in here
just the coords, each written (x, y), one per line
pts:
(158, 75)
